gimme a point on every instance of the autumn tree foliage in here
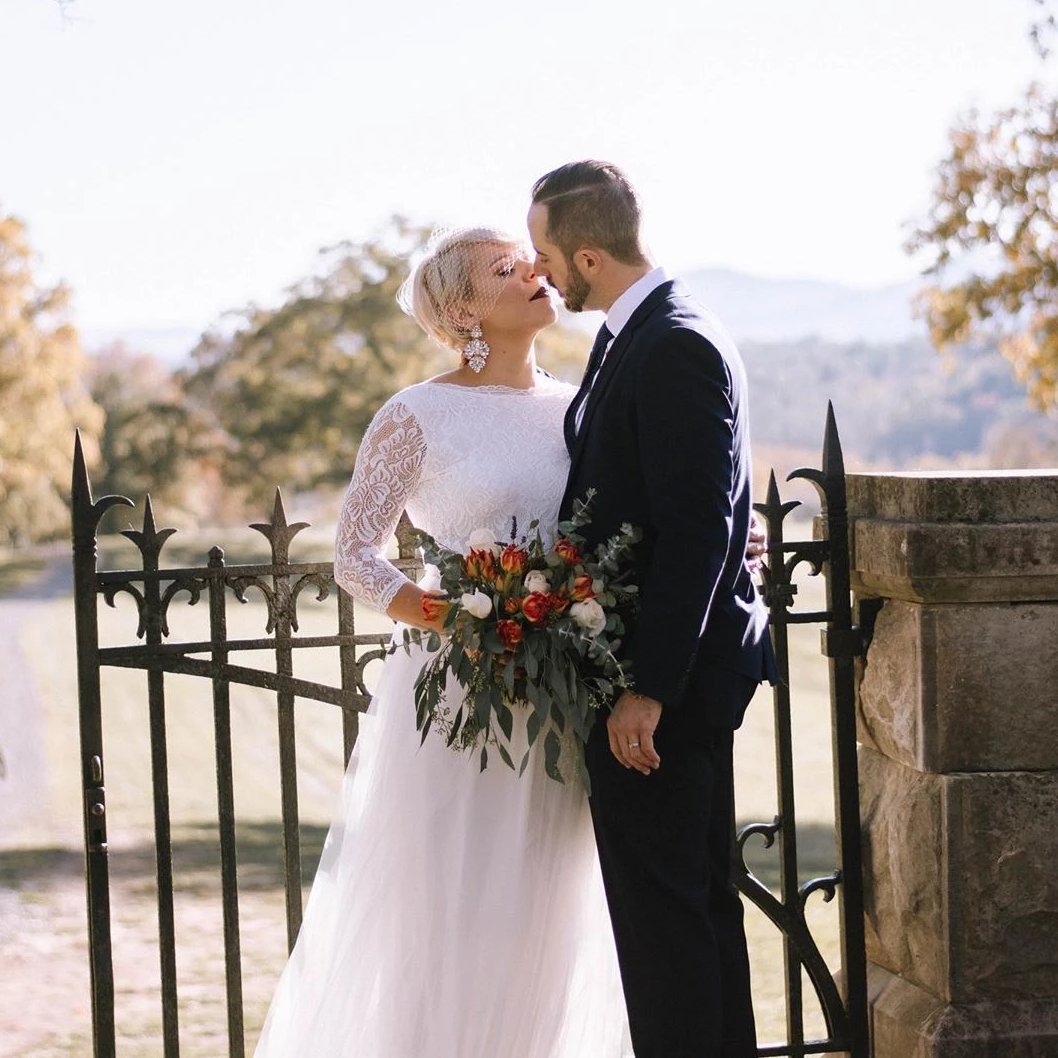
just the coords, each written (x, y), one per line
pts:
(995, 213)
(42, 395)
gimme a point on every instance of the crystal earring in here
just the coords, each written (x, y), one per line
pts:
(476, 351)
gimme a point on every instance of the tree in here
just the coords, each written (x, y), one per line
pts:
(995, 205)
(293, 388)
(42, 396)
(153, 440)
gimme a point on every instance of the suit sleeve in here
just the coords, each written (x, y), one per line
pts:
(685, 421)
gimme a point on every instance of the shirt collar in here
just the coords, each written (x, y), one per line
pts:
(621, 310)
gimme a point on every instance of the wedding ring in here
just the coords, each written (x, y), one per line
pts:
(633, 745)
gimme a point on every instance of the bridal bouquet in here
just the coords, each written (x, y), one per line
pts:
(525, 626)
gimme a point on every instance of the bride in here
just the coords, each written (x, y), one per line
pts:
(455, 913)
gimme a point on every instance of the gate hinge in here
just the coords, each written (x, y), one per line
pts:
(96, 804)
(841, 642)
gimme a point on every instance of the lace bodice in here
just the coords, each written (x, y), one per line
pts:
(457, 459)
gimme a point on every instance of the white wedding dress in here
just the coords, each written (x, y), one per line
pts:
(455, 913)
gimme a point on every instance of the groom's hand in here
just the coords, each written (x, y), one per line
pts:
(630, 727)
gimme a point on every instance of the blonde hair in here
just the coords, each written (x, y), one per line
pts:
(452, 285)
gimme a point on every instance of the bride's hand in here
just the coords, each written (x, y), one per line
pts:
(434, 607)
(420, 609)
(757, 546)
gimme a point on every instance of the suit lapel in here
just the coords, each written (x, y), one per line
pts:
(609, 366)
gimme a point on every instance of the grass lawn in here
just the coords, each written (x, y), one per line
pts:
(44, 990)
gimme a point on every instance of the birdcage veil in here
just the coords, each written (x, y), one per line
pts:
(457, 279)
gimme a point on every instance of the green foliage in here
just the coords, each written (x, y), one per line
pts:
(293, 388)
(42, 396)
(152, 440)
(995, 204)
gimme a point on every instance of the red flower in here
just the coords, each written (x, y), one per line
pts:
(568, 550)
(512, 606)
(510, 632)
(559, 602)
(536, 607)
(434, 608)
(514, 559)
(582, 589)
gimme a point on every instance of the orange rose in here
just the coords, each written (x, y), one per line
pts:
(568, 550)
(512, 606)
(434, 608)
(536, 607)
(582, 589)
(514, 559)
(480, 565)
(510, 632)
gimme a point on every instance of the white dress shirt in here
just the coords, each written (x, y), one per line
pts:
(619, 315)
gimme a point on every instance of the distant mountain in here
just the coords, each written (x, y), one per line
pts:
(775, 310)
(754, 308)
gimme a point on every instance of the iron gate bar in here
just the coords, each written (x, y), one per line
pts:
(283, 619)
(177, 664)
(206, 646)
(150, 542)
(280, 583)
(845, 1010)
(229, 872)
(784, 784)
(86, 514)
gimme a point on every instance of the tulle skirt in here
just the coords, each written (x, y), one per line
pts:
(455, 913)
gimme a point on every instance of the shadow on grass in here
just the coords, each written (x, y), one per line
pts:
(196, 860)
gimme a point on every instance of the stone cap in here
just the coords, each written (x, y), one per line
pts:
(994, 496)
(955, 536)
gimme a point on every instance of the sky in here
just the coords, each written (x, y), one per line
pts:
(176, 160)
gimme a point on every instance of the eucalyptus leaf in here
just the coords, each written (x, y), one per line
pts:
(506, 721)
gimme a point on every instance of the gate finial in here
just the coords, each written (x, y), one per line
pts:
(278, 533)
(85, 513)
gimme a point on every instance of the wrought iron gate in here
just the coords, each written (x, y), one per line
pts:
(280, 582)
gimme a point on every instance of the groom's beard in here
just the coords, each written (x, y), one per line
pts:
(577, 289)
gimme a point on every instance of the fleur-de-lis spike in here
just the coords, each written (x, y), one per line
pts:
(277, 532)
(773, 509)
(150, 540)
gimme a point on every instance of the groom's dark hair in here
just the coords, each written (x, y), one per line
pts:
(591, 204)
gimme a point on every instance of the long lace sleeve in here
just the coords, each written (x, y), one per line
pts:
(388, 466)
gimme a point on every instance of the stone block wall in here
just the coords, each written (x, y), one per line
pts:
(958, 724)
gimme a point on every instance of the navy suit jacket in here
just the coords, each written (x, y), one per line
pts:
(664, 441)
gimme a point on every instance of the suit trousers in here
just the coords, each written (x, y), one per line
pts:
(665, 850)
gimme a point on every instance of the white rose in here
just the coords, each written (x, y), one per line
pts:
(483, 540)
(536, 580)
(589, 615)
(478, 604)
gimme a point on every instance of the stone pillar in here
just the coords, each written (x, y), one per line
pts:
(958, 720)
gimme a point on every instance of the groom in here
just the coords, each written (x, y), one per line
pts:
(660, 430)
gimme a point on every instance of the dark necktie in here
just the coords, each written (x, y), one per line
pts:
(598, 350)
